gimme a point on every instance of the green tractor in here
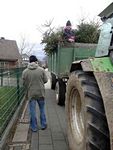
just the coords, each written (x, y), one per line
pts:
(89, 94)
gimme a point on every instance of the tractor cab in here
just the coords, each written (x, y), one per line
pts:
(105, 43)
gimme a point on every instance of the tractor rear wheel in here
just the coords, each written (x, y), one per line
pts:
(86, 119)
(60, 92)
(53, 81)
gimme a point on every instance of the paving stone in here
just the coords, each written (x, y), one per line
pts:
(45, 140)
(24, 121)
(18, 148)
(24, 147)
(45, 133)
(17, 144)
(11, 148)
(27, 146)
(58, 136)
(34, 141)
(21, 133)
(45, 147)
(60, 145)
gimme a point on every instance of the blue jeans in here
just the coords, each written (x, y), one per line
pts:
(33, 118)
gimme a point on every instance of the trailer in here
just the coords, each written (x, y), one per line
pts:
(60, 62)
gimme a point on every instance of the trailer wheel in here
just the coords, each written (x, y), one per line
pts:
(53, 81)
(60, 92)
(86, 119)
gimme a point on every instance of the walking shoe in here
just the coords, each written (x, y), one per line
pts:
(43, 128)
(33, 130)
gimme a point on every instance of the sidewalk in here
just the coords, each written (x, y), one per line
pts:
(53, 138)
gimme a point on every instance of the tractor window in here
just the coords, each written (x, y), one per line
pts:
(104, 40)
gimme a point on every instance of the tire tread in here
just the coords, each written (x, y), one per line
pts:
(88, 83)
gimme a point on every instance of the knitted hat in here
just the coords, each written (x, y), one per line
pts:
(32, 58)
(68, 23)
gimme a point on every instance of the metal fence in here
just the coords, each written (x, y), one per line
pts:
(11, 94)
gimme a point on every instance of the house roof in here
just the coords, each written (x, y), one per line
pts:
(9, 50)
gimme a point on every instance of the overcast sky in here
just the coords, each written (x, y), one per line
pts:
(23, 17)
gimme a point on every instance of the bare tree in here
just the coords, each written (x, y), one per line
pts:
(25, 46)
(48, 26)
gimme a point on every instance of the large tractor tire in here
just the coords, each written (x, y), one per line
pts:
(60, 92)
(86, 118)
(53, 81)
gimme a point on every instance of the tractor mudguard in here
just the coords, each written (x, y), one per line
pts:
(103, 64)
(105, 83)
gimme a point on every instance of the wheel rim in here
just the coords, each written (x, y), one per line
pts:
(57, 91)
(76, 116)
(50, 80)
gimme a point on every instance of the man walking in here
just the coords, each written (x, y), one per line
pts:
(34, 78)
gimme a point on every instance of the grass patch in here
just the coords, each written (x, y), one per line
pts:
(10, 98)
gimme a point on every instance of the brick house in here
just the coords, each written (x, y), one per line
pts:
(9, 54)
